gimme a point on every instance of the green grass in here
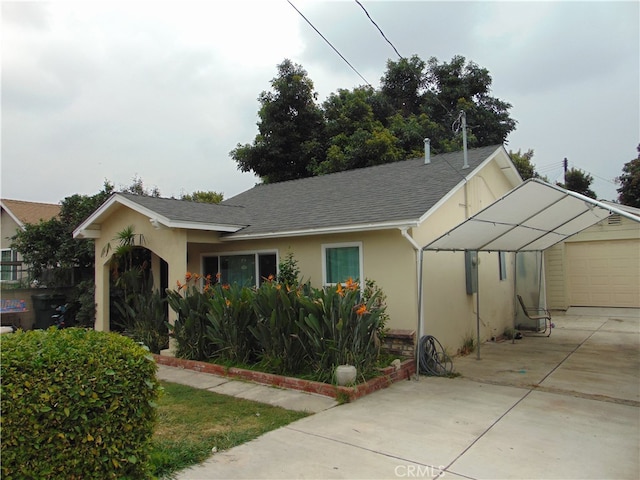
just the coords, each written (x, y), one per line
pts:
(191, 422)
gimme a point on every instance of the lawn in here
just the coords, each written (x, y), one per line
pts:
(192, 423)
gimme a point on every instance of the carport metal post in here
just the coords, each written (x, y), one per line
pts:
(478, 304)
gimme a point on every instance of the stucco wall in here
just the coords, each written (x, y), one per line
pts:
(388, 258)
(449, 312)
(168, 244)
(9, 228)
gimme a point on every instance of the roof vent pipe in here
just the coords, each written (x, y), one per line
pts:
(464, 139)
(427, 151)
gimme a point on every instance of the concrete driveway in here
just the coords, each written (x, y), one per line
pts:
(563, 407)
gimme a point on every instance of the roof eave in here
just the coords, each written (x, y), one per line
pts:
(11, 214)
(90, 228)
(325, 230)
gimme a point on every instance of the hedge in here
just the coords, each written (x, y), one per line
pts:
(76, 404)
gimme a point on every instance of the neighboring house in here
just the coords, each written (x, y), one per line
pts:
(598, 267)
(15, 214)
(367, 223)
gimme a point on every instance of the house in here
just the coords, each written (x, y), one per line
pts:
(368, 223)
(598, 267)
(15, 214)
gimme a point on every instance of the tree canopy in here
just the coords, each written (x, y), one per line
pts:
(203, 197)
(49, 248)
(290, 129)
(522, 162)
(629, 191)
(578, 181)
(298, 137)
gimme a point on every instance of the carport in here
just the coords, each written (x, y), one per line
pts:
(530, 218)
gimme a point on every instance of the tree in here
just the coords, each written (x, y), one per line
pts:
(364, 126)
(203, 197)
(403, 85)
(522, 162)
(578, 181)
(137, 188)
(356, 138)
(290, 126)
(49, 248)
(629, 191)
(461, 85)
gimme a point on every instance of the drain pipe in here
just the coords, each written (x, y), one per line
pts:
(419, 254)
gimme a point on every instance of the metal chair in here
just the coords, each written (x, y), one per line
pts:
(536, 314)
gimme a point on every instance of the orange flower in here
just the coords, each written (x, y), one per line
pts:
(339, 290)
(207, 287)
(179, 285)
(218, 275)
(197, 276)
(187, 276)
(271, 278)
(228, 302)
(362, 309)
(351, 285)
(225, 286)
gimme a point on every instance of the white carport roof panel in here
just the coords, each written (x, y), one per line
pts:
(532, 217)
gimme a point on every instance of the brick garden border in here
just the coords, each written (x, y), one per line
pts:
(388, 376)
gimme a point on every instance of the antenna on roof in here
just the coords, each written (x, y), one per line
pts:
(427, 151)
(461, 121)
(464, 139)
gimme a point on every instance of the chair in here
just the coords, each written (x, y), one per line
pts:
(537, 314)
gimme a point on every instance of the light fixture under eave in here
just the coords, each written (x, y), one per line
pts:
(155, 223)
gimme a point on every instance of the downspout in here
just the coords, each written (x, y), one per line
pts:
(419, 253)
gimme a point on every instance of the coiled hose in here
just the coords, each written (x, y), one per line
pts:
(433, 360)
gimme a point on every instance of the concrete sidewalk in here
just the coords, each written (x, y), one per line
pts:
(289, 399)
(564, 407)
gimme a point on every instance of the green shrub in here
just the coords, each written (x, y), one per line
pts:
(230, 317)
(279, 312)
(341, 327)
(143, 318)
(189, 330)
(76, 404)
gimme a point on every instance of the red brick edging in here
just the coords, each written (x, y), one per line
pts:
(388, 376)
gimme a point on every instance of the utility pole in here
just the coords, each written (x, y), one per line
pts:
(565, 164)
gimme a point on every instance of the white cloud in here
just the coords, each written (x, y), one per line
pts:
(94, 90)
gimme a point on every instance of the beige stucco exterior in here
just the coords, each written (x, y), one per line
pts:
(389, 258)
(9, 229)
(168, 244)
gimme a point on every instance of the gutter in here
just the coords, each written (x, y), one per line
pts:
(320, 231)
(419, 255)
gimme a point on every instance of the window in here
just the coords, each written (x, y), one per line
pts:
(9, 272)
(502, 265)
(247, 269)
(341, 262)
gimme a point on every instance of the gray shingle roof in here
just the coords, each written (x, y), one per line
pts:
(394, 192)
(192, 212)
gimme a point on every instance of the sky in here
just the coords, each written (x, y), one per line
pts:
(164, 90)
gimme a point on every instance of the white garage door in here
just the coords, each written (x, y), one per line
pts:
(604, 274)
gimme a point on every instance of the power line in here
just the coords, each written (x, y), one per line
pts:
(381, 32)
(329, 43)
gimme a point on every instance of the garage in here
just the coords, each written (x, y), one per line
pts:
(603, 273)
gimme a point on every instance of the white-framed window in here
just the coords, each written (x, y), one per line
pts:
(8, 273)
(246, 268)
(502, 265)
(341, 261)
